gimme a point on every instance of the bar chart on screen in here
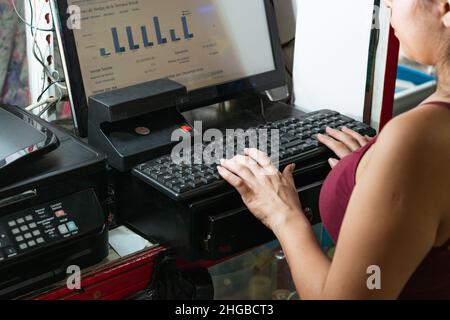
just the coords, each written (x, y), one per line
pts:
(139, 37)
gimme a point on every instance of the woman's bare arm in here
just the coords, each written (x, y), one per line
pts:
(391, 223)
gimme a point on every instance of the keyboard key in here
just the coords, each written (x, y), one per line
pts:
(28, 236)
(293, 144)
(182, 188)
(15, 231)
(307, 147)
(12, 223)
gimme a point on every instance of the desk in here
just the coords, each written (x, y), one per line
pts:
(258, 274)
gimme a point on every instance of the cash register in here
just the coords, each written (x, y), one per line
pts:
(52, 192)
(141, 73)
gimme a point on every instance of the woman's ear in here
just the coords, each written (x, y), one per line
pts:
(446, 13)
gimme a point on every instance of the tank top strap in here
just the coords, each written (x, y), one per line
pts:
(438, 103)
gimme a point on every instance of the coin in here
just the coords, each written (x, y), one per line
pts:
(142, 131)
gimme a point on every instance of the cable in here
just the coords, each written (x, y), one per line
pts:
(24, 21)
(263, 111)
(39, 104)
(51, 105)
(54, 80)
(44, 91)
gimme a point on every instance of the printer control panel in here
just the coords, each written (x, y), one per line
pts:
(34, 228)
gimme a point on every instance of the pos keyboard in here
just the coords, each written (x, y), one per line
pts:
(296, 142)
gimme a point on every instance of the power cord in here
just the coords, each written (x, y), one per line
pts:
(36, 105)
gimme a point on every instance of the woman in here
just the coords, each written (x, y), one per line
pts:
(387, 204)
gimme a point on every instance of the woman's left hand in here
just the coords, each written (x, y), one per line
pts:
(270, 195)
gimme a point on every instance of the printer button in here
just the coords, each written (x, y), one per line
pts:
(60, 213)
(10, 252)
(63, 229)
(4, 241)
(72, 226)
(53, 236)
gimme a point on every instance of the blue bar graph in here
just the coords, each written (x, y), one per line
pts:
(133, 46)
(187, 34)
(159, 36)
(144, 32)
(117, 46)
(136, 41)
(173, 35)
(104, 53)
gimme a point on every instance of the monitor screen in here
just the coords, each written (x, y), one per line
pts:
(198, 43)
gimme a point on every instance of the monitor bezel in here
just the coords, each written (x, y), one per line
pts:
(194, 99)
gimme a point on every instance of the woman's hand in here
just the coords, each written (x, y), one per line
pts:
(270, 195)
(342, 143)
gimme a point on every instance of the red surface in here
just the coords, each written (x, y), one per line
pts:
(118, 281)
(390, 79)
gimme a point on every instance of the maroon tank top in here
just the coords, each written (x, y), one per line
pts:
(432, 279)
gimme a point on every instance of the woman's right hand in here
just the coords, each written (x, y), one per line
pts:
(342, 143)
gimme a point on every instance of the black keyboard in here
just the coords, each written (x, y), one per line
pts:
(297, 144)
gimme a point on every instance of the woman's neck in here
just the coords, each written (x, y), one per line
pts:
(443, 89)
(438, 96)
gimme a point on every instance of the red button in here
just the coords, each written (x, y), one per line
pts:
(60, 213)
(186, 128)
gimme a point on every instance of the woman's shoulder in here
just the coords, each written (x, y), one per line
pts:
(420, 141)
(425, 128)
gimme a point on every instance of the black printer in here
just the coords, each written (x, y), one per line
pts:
(51, 214)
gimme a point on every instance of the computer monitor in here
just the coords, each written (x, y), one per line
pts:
(218, 49)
